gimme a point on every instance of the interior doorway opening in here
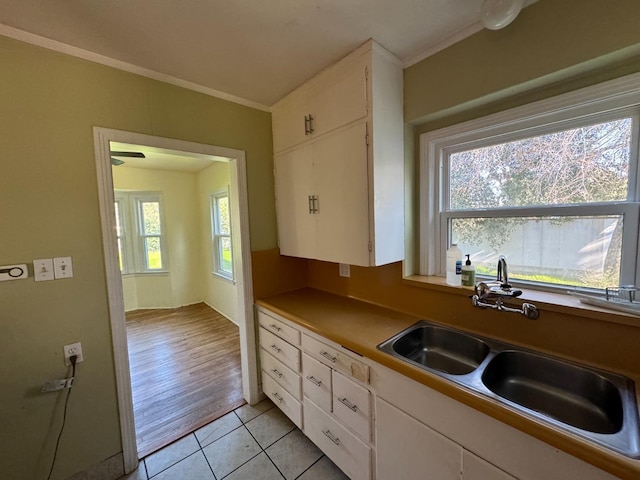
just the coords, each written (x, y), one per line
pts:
(106, 142)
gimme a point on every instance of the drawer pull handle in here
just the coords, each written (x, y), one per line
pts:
(275, 327)
(314, 380)
(276, 372)
(348, 404)
(328, 356)
(331, 436)
(278, 397)
(277, 350)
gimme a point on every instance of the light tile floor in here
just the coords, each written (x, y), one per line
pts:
(251, 443)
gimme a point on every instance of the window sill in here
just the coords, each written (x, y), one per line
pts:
(224, 278)
(144, 274)
(555, 302)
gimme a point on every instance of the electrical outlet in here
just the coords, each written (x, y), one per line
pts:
(344, 270)
(71, 350)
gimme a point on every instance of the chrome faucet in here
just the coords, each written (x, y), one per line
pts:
(500, 289)
(503, 275)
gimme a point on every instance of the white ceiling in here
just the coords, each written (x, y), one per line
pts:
(163, 159)
(255, 50)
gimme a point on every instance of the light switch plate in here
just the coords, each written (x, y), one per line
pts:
(43, 269)
(62, 267)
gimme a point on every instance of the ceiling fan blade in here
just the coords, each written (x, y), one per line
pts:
(128, 154)
(116, 161)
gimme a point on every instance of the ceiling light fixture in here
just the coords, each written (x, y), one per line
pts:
(497, 14)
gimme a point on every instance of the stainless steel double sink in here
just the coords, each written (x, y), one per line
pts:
(596, 405)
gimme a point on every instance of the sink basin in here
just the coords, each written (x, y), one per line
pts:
(438, 348)
(568, 393)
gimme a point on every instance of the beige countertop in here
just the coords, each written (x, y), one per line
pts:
(361, 326)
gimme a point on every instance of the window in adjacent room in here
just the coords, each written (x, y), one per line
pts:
(552, 186)
(140, 232)
(221, 234)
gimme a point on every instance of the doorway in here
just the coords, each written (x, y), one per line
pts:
(103, 139)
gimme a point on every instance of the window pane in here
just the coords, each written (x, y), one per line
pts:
(225, 260)
(577, 166)
(577, 251)
(153, 253)
(120, 261)
(222, 210)
(150, 218)
(118, 224)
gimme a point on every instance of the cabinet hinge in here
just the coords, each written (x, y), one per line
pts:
(366, 137)
(366, 73)
(370, 247)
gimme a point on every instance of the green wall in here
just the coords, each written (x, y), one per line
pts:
(552, 47)
(49, 103)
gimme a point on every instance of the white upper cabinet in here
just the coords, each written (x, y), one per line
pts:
(339, 162)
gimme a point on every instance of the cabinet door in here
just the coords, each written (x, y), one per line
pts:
(475, 468)
(350, 454)
(294, 185)
(341, 99)
(407, 448)
(340, 171)
(288, 119)
(334, 99)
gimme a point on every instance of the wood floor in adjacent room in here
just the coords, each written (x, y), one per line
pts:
(185, 371)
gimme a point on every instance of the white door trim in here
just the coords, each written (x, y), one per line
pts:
(242, 261)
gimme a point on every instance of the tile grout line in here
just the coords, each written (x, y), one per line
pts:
(206, 459)
(242, 424)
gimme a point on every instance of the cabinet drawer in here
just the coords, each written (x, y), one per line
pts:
(336, 359)
(291, 407)
(282, 374)
(283, 351)
(316, 382)
(279, 328)
(352, 405)
(345, 449)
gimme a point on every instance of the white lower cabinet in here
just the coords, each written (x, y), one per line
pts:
(352, 455)
(406, 448)
(475, 468)
(377, 424)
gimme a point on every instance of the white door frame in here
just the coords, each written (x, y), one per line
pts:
(242, 262)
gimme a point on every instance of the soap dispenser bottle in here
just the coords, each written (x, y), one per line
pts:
(468, 273)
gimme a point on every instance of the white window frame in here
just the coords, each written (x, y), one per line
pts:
(133, 237)
(216, 236)
(590, 105)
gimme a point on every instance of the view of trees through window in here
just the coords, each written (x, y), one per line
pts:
(576, 167)
(223, 259)
(151, 231)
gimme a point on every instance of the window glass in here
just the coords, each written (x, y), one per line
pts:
(139, 231)
(221, 235)
(580, 251)
(150, 217)
(576, 166)
(553, 186)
